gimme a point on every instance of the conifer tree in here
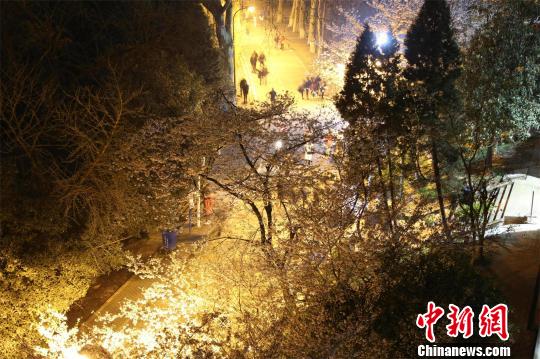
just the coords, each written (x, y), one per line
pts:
(369, 101)
(352, 97)
(433, 66)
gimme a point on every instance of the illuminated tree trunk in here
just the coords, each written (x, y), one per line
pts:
(391, 178)
(320, 26)
(296, 15)
(279, 14)
(293, 14)
(311, 29)
(222, 15)
(301, 17)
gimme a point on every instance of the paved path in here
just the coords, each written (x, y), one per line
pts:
(287, 68)
(106, 285)
(515, 263)
(134, 287)
(525, 158)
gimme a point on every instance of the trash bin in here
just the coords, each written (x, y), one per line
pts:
(169, 240)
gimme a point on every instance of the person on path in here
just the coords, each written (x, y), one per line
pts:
(272, 95)
(316, 86)
(262, 59)
(307, 87)
(263, 73)
(253, 60)
(301, 90)
(244, 88)
(322, 89)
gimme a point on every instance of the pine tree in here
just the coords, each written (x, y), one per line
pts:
(370, 101)
(351, 98)
(433, 66)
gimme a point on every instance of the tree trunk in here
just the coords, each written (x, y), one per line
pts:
(437, 178)
(229, 50)
(226, 44)
(222, 15)
(402, 173)
(311, 29)
(385, 195)
(270, 222)
(296, 14)
(279, 14)
(320, 26)
(292, 15)
(288, 297)
(262, 228)
(301, 18)
(391, 178)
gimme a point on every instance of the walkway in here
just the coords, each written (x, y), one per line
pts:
(287, 68)
(524, 158)
(515, 264)
(134, 287)
(106, 285)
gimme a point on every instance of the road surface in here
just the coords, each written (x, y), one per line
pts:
(287, 68)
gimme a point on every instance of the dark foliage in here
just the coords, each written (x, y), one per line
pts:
(83, 86)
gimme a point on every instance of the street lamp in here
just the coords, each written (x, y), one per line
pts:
(381, 38)
(250, 9)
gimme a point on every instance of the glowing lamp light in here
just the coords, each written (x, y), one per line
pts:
(278, 145)
(251, 9)
(73, 353)
(381, 38)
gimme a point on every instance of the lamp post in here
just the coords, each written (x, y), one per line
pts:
(250, 9)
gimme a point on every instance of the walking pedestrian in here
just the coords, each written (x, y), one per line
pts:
(272, 95)
(307, 87)
(301, 90)
(262, 59)
(316, 86)
(244, 88)
(253, 60)
(322, 89)
(263, 73)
